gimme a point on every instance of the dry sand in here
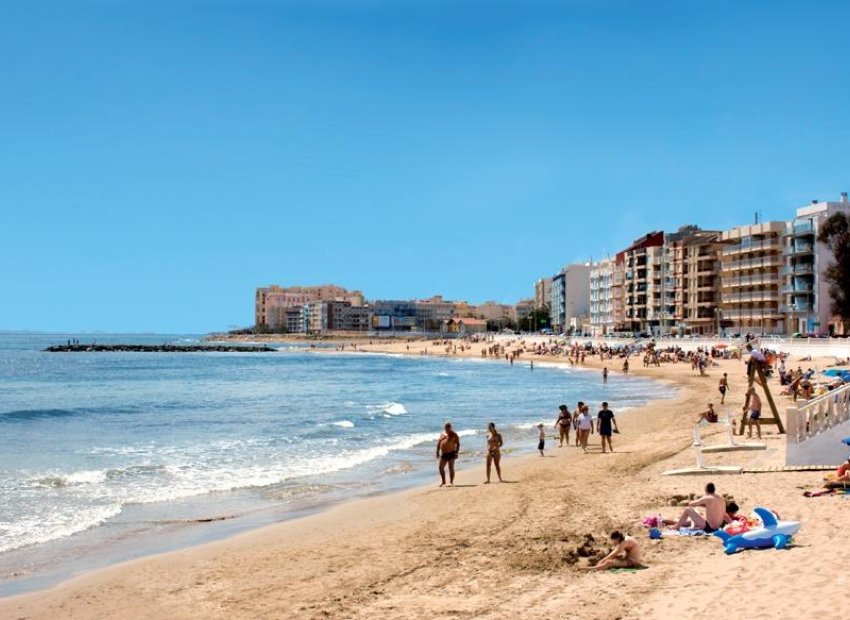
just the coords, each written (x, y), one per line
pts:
(508, 550)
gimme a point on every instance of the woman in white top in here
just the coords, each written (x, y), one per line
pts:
(584, 426)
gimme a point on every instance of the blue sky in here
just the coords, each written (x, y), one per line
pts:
(160, 160)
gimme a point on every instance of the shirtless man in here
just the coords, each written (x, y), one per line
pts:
(715, 512)
(448, 447)
(625, 555)
(753, 413)
(723, 387)
(709, 415)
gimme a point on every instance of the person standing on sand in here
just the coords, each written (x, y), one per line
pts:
(753, 413)
(715, 512)
(584, 423)
(494, 453)
(605, 375)
(625, 555)
(606, 424)
(563, 424)
(723, 386)
(448, 448)
(626, 366)
(576, 412)
(541, 439)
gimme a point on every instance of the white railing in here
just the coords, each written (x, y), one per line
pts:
(806, 419)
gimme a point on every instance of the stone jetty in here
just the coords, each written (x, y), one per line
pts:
(158, 348)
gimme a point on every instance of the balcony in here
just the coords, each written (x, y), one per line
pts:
(750, 297)
(803, 228)
(798, 289)
(802, 268)
(798, 248)
(752, 246)
(801, 308)
(765, 262)
(752, 313)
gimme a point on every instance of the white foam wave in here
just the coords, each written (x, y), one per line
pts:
(389, 409)
(343, 424)
(53, 524)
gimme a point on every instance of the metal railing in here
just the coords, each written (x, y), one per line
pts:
(805, 419)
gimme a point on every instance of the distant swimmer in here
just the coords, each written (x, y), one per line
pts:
(494, 451)
(605, 375)
(448, 448)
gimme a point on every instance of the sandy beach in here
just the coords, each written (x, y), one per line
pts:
(511, 550)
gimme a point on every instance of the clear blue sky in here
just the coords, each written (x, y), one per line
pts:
(159, 160)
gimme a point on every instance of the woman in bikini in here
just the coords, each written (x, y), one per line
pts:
(563, 424)
(494, 454)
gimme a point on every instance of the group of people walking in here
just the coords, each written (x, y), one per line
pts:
(448, 445)
(582, 423)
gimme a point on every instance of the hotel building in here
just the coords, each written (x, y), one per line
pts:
(750, 264)
(272, 304)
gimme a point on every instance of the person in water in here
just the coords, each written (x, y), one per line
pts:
(494, 452)
(448, 448)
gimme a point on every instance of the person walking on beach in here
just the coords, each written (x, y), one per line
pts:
(494, 451)
(723, 386)
(448, 448)
(715, 512)
(606, 424)
(563, 424)
(605, 375)
(626, 366)
(625, 555)
(576, 412)
(752, 411)
(541, 439)
(584, 423)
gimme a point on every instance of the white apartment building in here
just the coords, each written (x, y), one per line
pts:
(602, 297)
(805, 292)
(570, 297)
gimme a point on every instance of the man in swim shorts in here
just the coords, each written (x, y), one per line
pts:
(448, 447)
(606, 424)
(715, 512)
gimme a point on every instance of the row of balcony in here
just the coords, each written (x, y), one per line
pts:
(765, 262)
(798, 248)
(753, 246)
(800, 308)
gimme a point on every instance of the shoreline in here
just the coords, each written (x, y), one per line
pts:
(168, 537)
(545, 515)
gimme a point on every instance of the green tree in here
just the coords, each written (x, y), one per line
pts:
(835, 233)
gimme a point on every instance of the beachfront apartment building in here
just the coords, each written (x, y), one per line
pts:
(543, 293)
(750, 265)
(602, 297)
(691, 289)
(319, 317)
(643, 285)
(272, 303)
(570, 300)
(805, 292)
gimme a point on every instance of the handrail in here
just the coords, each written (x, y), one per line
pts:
(805, 419)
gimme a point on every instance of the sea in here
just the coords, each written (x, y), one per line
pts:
(109, 456)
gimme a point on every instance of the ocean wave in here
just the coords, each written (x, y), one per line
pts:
(53, 525)
(343, 424)
(36, 414)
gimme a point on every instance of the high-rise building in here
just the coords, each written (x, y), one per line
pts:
(570, 297)
(805, 292)
(602, 297)
(643, 284)
(543, 293)
(692, 281)
(750, 265)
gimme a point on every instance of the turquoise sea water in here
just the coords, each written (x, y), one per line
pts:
(97, 449)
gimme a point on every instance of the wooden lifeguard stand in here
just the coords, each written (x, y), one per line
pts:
(756, 370)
